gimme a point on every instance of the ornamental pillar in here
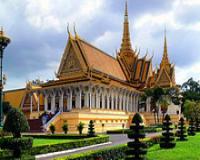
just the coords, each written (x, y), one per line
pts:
(38, 104)
(31, 103)
(112, 101)
(61, 101)
(45, 102)
(53, 101)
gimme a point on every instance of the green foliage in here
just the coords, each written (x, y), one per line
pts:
(181, 133)
(108, 153)
(80, 127)
(65, 128)
(15, 123)
(137, 148)
(58, 136)
(191, 109)
(16, 144)
(191, 129)
(52, 128)
(68, 145)
(6, 107)
(191, 90)
(188, 150)
(167, 139)
(91, 129)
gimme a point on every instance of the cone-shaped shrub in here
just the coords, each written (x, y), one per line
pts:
(91, 130)
(136, 149)
(191, 129)
(197, 127)
(181, 133)
(167, 139)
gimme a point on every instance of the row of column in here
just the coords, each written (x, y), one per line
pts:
(90, 97)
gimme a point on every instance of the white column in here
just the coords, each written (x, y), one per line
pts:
(90, 95)
(127, 102)
(112, 101)
(61, 101)
(134, 103)
(45, 102)
(31, 103)
(97, 100)
(86, 99)
(93, 100)
(53, 100)
(103, 100)
(120, 102)
(131, 102)
(116, 102)
(38, 107)
(108, 101)
(70, 100)
(124, 102)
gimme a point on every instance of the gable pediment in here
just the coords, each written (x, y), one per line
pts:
(72, 60)
(163, 78)
(71, 63)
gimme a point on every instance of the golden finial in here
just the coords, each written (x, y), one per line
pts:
(126, 42)
(69, 34)
(165, 59)
(76, 35)
(1, 31)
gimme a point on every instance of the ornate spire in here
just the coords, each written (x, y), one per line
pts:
(126, 43)
(165, 59)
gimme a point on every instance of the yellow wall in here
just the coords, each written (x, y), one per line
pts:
(14, 97)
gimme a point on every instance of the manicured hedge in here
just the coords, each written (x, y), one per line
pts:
(59, 136)
(110, 153)
(69, 145)
(146, 130)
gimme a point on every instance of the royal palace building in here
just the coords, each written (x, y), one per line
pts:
(92, 85)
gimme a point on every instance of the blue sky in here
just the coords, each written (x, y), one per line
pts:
(38, 29)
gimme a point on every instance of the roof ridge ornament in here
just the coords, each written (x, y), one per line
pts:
(76, 34)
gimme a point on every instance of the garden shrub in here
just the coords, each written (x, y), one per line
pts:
(137, 148)
(108, 153)
(17, 145)
(15, 123)
(181, 133)
(91, 130)
(58, 136)
(80, 128)
(167, 139)
(65, 128)
(191, 129)
(69, 145)
(52, 128)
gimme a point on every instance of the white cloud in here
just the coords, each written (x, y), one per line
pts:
(47, 14)
(184, 73)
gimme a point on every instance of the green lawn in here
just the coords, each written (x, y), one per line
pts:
(41, 141)
(188, 150)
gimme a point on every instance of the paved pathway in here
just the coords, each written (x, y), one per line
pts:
(116, 139)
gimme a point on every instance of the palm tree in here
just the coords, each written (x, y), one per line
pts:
(164, 102)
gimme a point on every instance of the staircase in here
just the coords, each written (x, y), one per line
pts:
(35, 125)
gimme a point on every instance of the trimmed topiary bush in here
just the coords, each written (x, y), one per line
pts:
(181, 133)
(136, 149)
(91, 130)
(15, 123)
(191, 129)
(18, 145)
(52, 128)
(80, 128)
(167, 139)
(65, 128)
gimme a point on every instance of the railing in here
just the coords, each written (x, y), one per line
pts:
(51, 120)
